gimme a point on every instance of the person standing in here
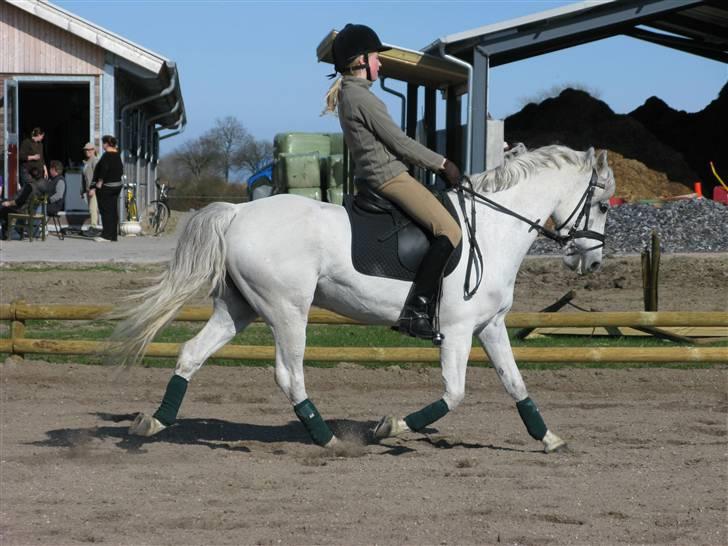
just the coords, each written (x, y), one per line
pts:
(107, 187)
(89, 164)
(31, 155)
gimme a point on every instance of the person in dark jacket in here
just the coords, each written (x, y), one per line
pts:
(107, 187)
(56, 189)
(31, 155)
(382, 153)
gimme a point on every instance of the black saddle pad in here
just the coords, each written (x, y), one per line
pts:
(385, 242)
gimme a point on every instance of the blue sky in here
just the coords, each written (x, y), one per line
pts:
(257, 60)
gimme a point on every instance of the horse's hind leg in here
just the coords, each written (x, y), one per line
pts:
(494, 338)
(230, 315)
(290, 340)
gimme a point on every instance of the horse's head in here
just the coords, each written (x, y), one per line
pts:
(582, 217)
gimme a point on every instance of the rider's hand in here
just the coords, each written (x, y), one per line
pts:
(451, 174)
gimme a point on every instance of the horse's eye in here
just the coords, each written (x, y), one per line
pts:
(603, 207)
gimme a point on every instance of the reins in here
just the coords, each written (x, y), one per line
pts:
(475, 256)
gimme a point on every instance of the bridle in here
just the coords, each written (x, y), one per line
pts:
(582, 210)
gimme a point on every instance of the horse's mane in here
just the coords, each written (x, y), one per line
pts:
(518, 167)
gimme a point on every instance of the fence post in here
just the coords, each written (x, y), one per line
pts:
(651, 271)
(17, 328)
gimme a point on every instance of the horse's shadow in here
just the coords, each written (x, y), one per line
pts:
(211, 433)
(221, 434)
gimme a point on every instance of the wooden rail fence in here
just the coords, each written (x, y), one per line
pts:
(18, 312)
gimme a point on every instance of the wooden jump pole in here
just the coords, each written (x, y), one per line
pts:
(23, 312)
(400, 354)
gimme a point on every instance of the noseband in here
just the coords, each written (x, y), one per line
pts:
(582, 210)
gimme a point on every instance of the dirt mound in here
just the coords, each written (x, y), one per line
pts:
(700, 137)
(636, 181)
(578, 120)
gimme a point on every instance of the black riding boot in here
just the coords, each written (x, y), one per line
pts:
(416, 317)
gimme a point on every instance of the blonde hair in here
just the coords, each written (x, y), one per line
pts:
(332, 95)
(332, 98)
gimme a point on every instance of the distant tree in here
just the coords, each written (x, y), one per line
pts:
(197, 156)
(229, 137)
(254, 155)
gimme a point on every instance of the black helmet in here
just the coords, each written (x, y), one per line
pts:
(352, 41)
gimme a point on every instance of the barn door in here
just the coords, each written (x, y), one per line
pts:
(10, 124)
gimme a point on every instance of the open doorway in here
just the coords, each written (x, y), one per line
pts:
(62, 110)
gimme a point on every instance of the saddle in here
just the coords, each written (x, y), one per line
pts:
(385, 241)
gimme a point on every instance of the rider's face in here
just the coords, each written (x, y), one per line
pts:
(374, 65)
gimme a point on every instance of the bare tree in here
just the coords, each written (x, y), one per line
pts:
(198, 156)
(254, 155)
(229, 137)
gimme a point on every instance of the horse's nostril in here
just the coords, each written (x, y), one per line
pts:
(595, 266)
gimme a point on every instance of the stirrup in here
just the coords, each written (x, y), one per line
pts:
(416, 321)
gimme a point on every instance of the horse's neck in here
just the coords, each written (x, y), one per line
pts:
(535, 198)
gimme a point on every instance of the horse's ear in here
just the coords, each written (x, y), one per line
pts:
(601, 165)
(589, 160)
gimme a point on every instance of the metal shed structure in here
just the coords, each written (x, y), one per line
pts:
(78, 82)
(699, 27)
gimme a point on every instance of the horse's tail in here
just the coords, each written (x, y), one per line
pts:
(198, 263)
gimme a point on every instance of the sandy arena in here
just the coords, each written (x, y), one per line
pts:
(647, 462)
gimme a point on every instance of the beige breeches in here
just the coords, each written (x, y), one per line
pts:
(417, 201)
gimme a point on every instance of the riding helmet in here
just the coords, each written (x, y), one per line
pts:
(352, 41)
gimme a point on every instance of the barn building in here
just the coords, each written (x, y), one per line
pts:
(78, 81)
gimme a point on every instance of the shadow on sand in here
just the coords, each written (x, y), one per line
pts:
(212, 433)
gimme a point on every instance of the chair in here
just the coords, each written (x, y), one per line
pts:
(29, 215)
(56, 219)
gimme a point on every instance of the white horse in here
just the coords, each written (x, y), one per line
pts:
(274, 258)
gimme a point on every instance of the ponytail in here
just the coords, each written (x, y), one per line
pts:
(332, 98)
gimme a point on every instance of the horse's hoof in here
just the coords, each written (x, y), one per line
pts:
(389, 427)
(331, 444)
(146, 426)
(553, 444)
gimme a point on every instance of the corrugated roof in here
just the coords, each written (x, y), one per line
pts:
(699, 27)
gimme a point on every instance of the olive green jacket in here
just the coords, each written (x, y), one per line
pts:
(378, 146)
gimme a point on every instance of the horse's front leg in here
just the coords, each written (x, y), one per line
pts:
(494, 338)
(454, 354)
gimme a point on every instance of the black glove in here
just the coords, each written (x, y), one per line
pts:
(451, 174)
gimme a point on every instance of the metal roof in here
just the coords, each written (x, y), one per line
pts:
(699, 27)
(148, 71)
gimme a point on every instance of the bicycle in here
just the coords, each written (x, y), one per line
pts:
(158, 212)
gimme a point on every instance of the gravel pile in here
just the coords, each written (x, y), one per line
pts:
(695, 225)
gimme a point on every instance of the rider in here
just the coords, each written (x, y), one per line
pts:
(381, 153)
